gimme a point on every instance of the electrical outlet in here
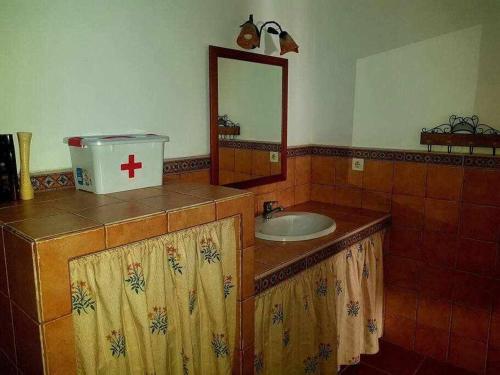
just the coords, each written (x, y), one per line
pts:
(358, 164)
(274, 157)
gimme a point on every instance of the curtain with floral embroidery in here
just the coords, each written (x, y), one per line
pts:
(165, 305)
(325, 316)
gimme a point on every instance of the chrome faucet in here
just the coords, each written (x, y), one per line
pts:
(269, 210)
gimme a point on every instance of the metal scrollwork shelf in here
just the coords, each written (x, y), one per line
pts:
(461, 131)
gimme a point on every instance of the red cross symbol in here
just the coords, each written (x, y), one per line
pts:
(131, 166)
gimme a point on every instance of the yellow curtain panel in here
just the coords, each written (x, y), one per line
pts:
(165, 305)
(325, 316)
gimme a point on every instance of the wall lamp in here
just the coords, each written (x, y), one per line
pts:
(249, 37)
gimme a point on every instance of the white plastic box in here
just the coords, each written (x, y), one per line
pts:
(107, 164)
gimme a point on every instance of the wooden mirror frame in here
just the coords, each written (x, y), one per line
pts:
(214, 54)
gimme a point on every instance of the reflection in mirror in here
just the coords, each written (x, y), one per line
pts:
(248, 117)
(249, 120)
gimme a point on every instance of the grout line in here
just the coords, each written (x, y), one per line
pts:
(375, 368)
(421, 364)
(486, 357)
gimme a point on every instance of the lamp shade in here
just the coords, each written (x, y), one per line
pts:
(287, 44)
(249, 37)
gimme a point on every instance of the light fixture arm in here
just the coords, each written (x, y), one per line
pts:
(268, 23)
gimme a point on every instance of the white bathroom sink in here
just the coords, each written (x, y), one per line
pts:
(294, 226)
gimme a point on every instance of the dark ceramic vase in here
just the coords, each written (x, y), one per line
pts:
(9, 183)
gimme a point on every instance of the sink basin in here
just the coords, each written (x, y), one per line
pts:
(294, 226)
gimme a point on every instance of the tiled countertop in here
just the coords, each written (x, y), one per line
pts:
(277, 261)
(57, 213)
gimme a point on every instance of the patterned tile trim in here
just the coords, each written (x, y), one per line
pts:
(53, 181)
(298, 151)
(409, 156)
(278, 276)
(186, 165)
(64, 179)
(251, 145)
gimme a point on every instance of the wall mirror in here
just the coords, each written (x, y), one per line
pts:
(248, 117)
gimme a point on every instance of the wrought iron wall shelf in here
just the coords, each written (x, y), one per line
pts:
(461, 131)
(226, 130)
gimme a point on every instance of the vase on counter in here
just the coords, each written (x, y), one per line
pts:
(26, 189)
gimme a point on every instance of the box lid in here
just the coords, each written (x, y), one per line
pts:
(102, 140)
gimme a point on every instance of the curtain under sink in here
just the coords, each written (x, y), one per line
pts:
(165, 305)
(323, 317)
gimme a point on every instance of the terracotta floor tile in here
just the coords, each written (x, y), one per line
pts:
(495, 330)
(362, 369)
(493, 364)
(433, 367)
(3, 265)
(7, 367)
(394, 359)
(467, 353)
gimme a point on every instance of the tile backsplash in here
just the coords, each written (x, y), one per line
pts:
(442, 261)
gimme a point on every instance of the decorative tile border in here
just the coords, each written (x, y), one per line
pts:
(52, 181)
(278, 276)
(186, 165)
(251, 145)
(64, 179)
(293, 151)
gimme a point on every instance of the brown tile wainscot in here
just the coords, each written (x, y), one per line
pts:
(39, 237)
(278, 261)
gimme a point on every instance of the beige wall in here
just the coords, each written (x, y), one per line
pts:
(71, 67)
(388, 68)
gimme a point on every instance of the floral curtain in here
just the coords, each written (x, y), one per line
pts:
(165, 305)
(325, 316)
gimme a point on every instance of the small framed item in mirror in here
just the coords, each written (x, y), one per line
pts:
(248, 117)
